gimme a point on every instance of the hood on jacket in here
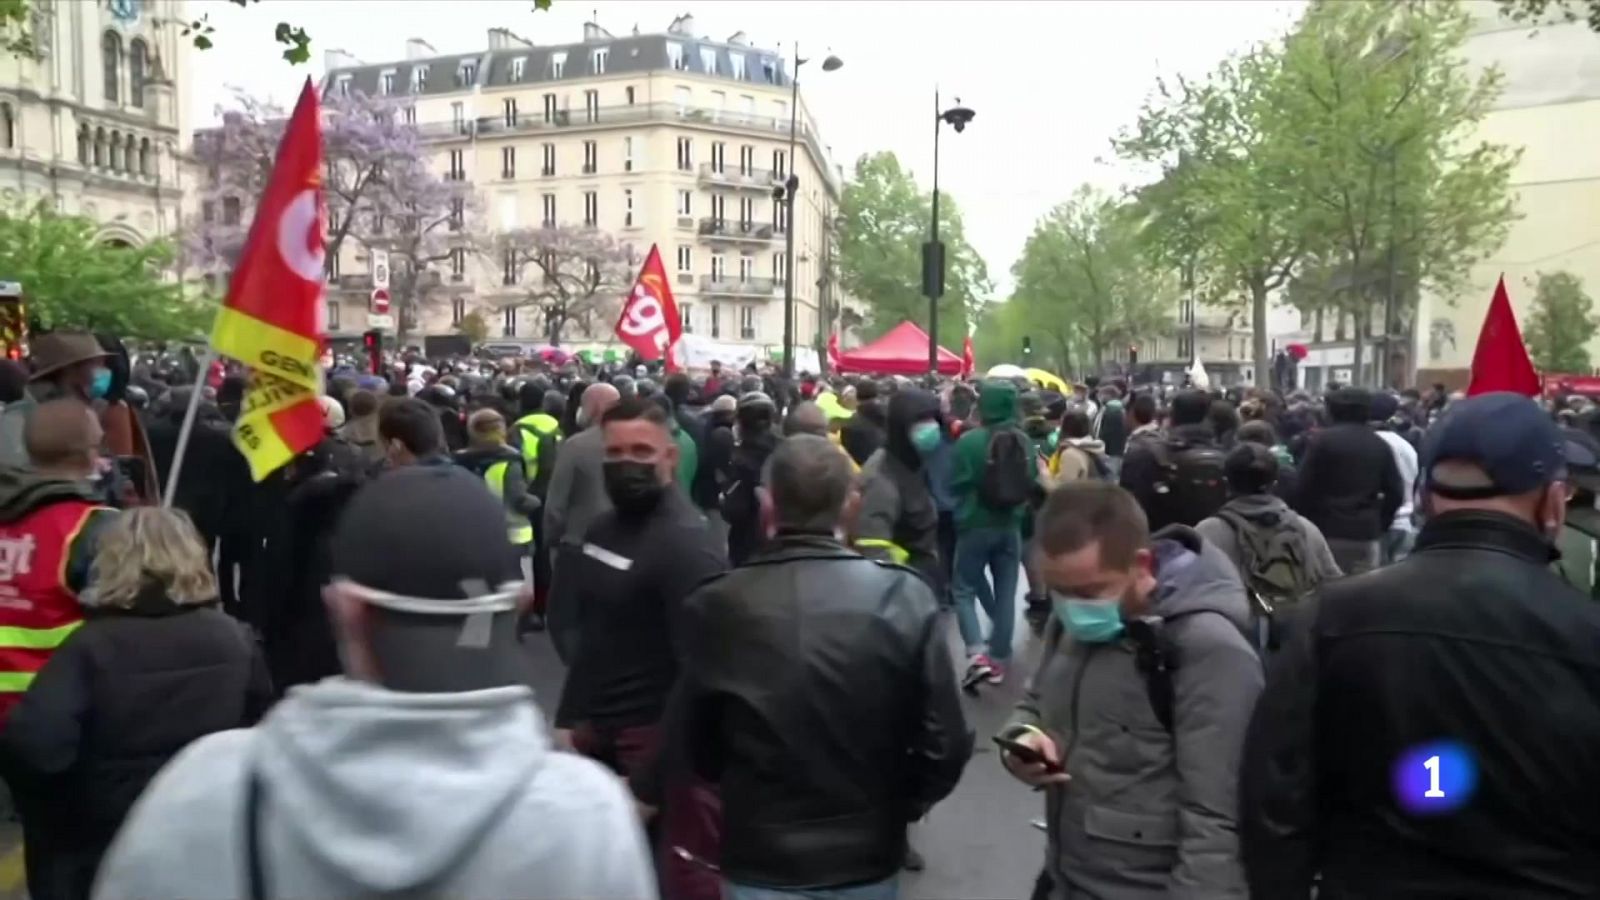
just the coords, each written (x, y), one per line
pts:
(1194, 576)
(333, 755)
(997, 404)
(906, 408)
(1262, 509)
(23, 490)
(1091, 445)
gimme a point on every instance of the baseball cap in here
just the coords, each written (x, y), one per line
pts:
(1507, 435)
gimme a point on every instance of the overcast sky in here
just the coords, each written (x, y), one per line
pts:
(1051, 82)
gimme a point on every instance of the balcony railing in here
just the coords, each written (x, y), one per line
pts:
(760, 179)
(639, 113)
(729, 229)
(737, 287)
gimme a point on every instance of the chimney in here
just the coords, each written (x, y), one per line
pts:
(505, 39)
(338, 59)
(738, 39)
(417, 48)
(682, 25)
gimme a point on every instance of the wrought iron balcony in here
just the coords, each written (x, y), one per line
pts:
(733, 230)
(713, 286)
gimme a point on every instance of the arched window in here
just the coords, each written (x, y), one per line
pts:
(115, 162)
(8, 127)
(144, 158)
(83, 145)
(99, 146)
(138, 66)
(111, 58)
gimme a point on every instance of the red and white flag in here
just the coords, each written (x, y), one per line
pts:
(649, 322)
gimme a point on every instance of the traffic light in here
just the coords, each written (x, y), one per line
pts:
(1133, 354)
(372, 342)
(1027, 348)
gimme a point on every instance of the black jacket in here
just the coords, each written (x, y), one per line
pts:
(716, 455)
(1349, 485)
(125, 693)
(1141, 468)
(896, 505)
(1471, 639)
(739, 507)
(863, 433)
(819, 692)
(617, 620)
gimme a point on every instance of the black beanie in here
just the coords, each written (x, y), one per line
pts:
(421, 531)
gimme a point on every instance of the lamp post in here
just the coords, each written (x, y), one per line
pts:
(785, 195)
(956, 117)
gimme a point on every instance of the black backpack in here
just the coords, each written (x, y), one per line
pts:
(1191, 486)
(1008, 470)
(1275, 566)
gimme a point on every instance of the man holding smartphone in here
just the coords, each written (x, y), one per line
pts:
(1134, 721)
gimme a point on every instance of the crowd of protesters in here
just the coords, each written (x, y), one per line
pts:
(1245, 609)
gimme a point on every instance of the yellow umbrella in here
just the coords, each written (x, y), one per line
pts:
(1053, 382)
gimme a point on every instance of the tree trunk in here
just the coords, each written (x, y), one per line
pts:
(1361, 316)
(1258, 327)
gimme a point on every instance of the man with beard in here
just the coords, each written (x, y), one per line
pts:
(638, 563)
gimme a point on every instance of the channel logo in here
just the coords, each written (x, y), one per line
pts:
(1435, 778)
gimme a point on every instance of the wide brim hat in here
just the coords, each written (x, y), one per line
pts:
(52, 352)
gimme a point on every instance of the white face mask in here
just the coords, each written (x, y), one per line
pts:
(478, 608)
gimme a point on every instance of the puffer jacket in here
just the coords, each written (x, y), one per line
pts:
(899, 521)
(1150, 814)
(831, 722)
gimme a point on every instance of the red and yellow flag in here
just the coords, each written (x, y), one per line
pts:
(273, 319)
(649, 322)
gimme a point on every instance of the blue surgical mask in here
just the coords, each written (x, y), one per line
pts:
(1093, 621)
(101, 385)
(925, 436)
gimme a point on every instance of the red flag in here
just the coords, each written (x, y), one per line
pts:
(1500, 363)
(967, 360)
(649, 322)
(833, 352)
(274, 318)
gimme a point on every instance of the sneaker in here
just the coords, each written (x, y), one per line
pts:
(979, 669)
(997, 673)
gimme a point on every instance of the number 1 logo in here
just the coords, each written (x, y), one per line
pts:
(1434, 778)
(1432, 765)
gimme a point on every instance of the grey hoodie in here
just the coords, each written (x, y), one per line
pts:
(1150, 814)
(1267, 508)
(371, 792)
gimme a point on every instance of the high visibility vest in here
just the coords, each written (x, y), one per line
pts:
(534, 427)
(518, 529)
(897, 554)
(37, 608)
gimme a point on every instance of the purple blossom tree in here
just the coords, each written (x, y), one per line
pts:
(379, 189)
(565, 273)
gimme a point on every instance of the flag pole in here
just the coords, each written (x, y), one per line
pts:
(170, 490)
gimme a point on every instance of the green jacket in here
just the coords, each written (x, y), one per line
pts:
(688, 457)
(997, 408)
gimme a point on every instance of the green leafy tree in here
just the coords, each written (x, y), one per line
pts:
(1561, 324)
(74, 279)
(884, 222)
(1380, 103)
(1084, 280)
(1544, 10)
(1227, 210)
(473, 327)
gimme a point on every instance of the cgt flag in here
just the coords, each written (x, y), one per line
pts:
(273, 319)
(649, 322)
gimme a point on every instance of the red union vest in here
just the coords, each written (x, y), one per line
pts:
(37, 609)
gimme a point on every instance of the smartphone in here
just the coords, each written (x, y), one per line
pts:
(1027, 754)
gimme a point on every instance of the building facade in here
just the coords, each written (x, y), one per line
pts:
(669, 139)
(1220, 338)
(93, 125)
(1550, 107)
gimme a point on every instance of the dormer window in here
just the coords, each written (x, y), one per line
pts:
(419, 79)
(386, 83)
(597, 60)
(467, 75)
(675, 56)
(518, 66)
(343, 85)
(558, 64)
(736, 60)
(708, 60)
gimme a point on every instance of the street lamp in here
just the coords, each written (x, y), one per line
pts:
(785, 195)
(956, 117)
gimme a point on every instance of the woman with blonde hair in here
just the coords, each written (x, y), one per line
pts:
(154, 666)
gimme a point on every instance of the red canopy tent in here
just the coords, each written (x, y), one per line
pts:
(903, 351)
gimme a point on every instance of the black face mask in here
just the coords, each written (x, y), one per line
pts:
(632, 486)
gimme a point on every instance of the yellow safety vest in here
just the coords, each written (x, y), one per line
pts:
(518, 529)
(897, 554)
(541, 425)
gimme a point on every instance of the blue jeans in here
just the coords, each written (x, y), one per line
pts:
(878, 890)
(999, 550)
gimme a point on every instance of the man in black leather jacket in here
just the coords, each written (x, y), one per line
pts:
(818, 689)
(1471, 641)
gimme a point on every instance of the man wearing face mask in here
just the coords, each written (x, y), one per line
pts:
(1472, 639)
(1134, 720)
(637, 563)
(65, 364)
(899, 522)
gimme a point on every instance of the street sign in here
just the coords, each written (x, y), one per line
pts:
(380, 270)
(380, 301)
(381, 322)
